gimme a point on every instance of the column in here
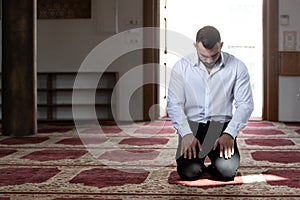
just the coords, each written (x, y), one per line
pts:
(19, 67)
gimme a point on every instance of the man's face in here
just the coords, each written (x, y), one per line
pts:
(209, 56)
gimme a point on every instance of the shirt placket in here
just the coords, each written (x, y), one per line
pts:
(207, 98)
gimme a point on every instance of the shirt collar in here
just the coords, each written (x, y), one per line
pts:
(196, 61)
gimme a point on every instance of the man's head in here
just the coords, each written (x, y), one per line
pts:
(208, 45)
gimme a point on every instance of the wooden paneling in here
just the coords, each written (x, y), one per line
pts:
(290, 63)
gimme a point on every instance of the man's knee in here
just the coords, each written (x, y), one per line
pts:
(226, 171)
(189, 169)
(190, 172)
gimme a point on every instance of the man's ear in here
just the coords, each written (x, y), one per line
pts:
(221, 45)
(196, 45)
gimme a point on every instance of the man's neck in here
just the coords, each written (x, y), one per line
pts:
(209, 69)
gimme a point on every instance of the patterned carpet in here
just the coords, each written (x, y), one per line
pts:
(137, 162)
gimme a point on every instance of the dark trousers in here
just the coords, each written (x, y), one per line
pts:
(220, 168)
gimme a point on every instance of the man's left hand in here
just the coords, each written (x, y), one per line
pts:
(226, 143)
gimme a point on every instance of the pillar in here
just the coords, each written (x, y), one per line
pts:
(19, 106)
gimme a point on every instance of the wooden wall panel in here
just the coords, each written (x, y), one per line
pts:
(290, 63)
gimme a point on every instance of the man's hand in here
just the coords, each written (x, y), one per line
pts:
(226, 146)
(189, 146)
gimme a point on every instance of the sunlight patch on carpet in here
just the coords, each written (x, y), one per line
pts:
(204, 182)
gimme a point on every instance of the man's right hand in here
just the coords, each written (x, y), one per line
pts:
(189, 146)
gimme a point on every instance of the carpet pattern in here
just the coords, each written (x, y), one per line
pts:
(138, 162)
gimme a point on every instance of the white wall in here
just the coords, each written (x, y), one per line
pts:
(290, 8)
(64, 44)
(289, 87)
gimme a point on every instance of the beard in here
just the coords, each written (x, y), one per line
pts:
(212, 64)
(209, 65)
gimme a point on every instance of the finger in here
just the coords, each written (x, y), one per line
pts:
(190, 153)
(221, 152)
(225, 153)
(184, 154)
(229, 152)
(194, 152)
(232, 150)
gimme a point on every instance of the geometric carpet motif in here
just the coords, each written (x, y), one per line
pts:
(138, 162)
(47, 155)
(277, 156)
(97, 177)
(23, 140)
(18, 176)
(289, 178)
(264, 132)
(269, 142)
(6, 152)
(129, 155)
(144, 141)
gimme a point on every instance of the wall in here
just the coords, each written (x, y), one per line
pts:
(289, 87)
(290, 8)
(64, 44)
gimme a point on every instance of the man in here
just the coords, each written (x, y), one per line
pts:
(203, 87)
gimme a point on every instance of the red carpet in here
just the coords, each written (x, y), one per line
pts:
(97, 177)
(21, 175)
(23, 140)
(126, 162)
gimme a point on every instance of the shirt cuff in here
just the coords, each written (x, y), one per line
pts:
(184, 131)
(231, 131)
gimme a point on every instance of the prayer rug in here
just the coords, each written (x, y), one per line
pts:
(138, 162)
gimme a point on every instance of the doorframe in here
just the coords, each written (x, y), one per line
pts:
(270, 60)
(151, 12)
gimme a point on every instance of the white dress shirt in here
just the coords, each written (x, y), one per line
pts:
(199, 96)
